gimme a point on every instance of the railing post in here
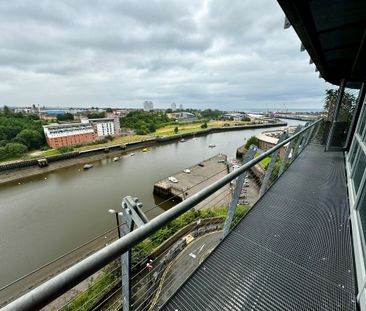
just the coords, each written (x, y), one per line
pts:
(271, 166)
(288, 151)
(125, 259)
(317, 130)
(309, 136)
(296, 148)
(287, 154)
(132, 214)
(304, 137)
(236, 194)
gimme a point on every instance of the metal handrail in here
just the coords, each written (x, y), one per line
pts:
(61, 283)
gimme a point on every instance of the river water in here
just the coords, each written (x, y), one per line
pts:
(45, 216)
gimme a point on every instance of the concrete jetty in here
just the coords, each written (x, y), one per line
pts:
(190, 180)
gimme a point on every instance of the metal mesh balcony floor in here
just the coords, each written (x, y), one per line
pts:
(291, 252)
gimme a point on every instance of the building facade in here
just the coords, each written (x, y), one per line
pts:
(182, 116)
(61, 135)
(89, 130)
(267, 141)
(105, 126)
(148, 105)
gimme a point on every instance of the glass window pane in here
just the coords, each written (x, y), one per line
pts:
(359, 170)
(362, 121)
(344, 115)
(361, 206)
(354, 152)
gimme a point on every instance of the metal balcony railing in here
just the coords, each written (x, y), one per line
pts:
(141, 258)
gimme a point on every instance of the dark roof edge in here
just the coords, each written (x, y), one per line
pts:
(299, 13)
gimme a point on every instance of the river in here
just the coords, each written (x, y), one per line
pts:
(45, 216)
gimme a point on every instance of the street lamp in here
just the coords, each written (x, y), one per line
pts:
(112, 211)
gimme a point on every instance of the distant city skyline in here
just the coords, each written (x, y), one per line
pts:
(199, 54)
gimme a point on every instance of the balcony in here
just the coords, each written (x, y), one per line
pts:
(293, 250)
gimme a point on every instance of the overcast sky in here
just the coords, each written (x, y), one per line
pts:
(202, 54)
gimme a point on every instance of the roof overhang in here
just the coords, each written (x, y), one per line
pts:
(334, 34)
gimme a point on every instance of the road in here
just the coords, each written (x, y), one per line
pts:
(184, 265)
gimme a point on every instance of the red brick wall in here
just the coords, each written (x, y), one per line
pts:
(266, 145)
(70, 140)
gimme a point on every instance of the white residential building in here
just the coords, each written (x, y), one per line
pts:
(106, 126)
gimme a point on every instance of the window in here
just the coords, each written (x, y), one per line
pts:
(359, 170)
(361, 126)
(362, 215)
(344, 114)
(353, 153)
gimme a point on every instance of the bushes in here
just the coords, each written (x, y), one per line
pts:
(146, 247)
(144, 122)
(204, 125)
(30, 138)
(65, 149)
(109, 138)
(12, 150)
(251, 141)
(18, 133)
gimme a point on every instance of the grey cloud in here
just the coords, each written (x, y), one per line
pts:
(119, 53)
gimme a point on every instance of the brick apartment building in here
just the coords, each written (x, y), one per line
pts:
(60, 135)
(89, 130)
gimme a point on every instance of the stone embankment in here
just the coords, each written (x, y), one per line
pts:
(188, 182)
(24, 168)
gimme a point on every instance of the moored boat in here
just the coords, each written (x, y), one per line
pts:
(172, 179)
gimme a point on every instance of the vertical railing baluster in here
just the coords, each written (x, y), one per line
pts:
(309, 136)
(236, 194)
(287, 154)
(296, 148)
(271, 166)
(317, 130)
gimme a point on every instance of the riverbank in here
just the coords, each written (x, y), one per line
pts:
(14, 171)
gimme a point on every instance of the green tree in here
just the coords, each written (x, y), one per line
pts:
(109, 110)
(251, 141)
(31, 138)
(204, 125)
(96, 115)
(14, 149)
(142, 120)
(65, 117)
(152, 128)
(211, 114)
(176, 130)
(347, 106)
(6, 110)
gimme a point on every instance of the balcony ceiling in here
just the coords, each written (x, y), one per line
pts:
(333, 33)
